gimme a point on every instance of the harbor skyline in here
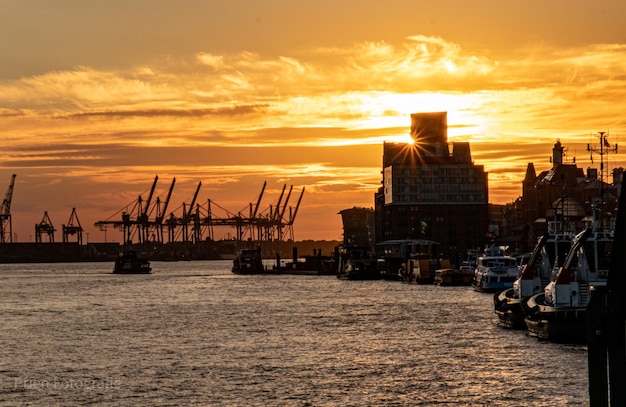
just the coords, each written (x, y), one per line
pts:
(97, 98)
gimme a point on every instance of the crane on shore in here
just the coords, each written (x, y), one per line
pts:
(6, 225)
(73, 228)
(196, 219)
(44, 228)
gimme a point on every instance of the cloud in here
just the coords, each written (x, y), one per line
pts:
(316, 119)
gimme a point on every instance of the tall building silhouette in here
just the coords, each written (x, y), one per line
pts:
(431, 189)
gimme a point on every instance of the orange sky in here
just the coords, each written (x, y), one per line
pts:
(96, 98)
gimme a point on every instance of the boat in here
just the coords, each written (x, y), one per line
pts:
(452, 276)
(248, 261)
(131, 262)
(495, 271)
(357, 263)
(392, 255)
(420, 268)
(543, 263)
(558, 314)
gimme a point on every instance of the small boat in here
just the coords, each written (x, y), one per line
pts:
(248, 261)
(357, 263)
(392, 255)
(130, 262)
(452, 276)
(420, 268)
(495, 271)
(559, 313)
(543, 263)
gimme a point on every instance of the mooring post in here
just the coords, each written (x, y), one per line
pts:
(606, 325)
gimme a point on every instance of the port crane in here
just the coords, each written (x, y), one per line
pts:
(134, 218)
(6, 225)
(73, 228)
(198, 221)
(160, 213)
(44, 228)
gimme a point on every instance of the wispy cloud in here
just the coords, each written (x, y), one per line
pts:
(317, 118)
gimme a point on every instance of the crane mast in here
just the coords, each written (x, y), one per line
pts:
(189, 226)
(6, 225)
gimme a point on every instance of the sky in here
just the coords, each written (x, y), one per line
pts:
(99, 97)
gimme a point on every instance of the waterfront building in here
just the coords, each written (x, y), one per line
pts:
(358, 227)
(431, 189)
(563, 193)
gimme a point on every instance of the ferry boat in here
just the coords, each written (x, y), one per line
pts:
(248, 261)
(559, 312)
(495, 271)
(130, 262)
(544, 261)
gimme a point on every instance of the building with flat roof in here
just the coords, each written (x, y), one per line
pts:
(358, 227)
(431, 189)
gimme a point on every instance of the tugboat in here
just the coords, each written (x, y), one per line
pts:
(130, 262)
(248, 261)
(559, 313)
(495, 271)
(357, 263)
(543, 263)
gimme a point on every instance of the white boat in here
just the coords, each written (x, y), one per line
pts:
(495, 271)
(559, 312)
(543, 263)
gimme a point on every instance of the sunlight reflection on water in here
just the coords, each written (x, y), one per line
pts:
(194, 333)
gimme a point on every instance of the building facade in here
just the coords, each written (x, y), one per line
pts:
(564, 193)
(431, 189)
(358, 227)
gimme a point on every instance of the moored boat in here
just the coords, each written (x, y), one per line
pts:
(248, 261)
(393, 255)
(452, 276)
(559, 312)
(357, 263)
(131, 262)
(543, 263)
(495, 271)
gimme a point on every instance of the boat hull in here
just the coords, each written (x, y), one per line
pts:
(556, 324)
(129, 262)
(509, 309)
(491, 286)
(452, 277)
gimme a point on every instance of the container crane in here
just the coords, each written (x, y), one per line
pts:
(186, 219)
(135, 219)
(158, 222)
(143, 223)
(45, 227)
(292, 216)
(6, 225)
(72, 228)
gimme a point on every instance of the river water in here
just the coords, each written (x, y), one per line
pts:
(192, 333)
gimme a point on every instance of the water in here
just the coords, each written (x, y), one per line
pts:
(192, 333)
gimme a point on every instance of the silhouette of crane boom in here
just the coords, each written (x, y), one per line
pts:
(6, 225)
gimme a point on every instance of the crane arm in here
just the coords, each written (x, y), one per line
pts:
(282, 212)
(258, 202)
(295, 212)
(145, 211)
(167, 200)
(5, 208)
(280, 199)
(193, 201)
